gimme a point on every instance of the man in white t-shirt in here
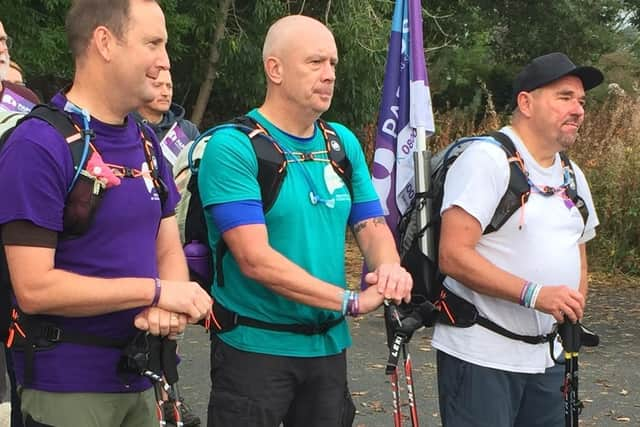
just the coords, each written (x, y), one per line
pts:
(527, 275)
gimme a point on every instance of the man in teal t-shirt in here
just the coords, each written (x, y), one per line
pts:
(287, 266)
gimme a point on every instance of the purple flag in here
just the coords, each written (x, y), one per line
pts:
(405, 110)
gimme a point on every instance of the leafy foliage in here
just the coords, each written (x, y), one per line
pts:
(473, 50)
(468, 43)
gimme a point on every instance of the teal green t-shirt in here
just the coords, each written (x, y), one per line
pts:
(310, 235)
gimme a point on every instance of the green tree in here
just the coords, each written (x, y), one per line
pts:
(466, 42)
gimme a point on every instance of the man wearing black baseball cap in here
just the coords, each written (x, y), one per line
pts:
(513, 245)
(549, 68)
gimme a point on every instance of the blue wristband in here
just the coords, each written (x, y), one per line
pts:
(531, 290)
(346, 294)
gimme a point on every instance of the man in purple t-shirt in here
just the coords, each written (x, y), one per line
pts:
(127, 271)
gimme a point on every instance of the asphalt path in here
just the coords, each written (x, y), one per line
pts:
(609, 374)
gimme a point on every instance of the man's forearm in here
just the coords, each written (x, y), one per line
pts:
(172, 265)
(376, 242)
(474, 271)
(286, 278)
(67, 294)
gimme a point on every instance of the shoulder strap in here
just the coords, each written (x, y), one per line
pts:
(337, 155)
(272, 163)
(505, 142)
(572, 189)
(150, 155)
(65, 126)
(518, 189)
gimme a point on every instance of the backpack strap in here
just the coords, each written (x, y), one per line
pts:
(572, 188)
(457, 311)
(518, 189)
(61, 122)
(151, 158)
(226, 320)
(337, 155)
(31, 334)
(272, 164)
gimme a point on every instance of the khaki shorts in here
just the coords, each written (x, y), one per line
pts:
(44, 409)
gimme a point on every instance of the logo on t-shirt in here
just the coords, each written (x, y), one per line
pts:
(148, 182)
(333, 182)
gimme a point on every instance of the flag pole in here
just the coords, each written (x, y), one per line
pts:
(422, 166)
(422, 118)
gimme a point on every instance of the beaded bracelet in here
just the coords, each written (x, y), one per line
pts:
(156, 295)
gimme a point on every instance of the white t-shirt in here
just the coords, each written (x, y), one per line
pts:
(538, 244)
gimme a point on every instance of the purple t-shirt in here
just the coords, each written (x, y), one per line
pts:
(35, 170)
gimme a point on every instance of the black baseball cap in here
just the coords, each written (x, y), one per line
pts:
(550, 67)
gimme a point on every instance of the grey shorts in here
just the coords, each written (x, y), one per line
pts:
(45, 409)
(475, 396)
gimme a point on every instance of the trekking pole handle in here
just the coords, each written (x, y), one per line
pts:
(170, 360)
(394, 313)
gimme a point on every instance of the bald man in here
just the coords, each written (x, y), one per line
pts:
(284, 271)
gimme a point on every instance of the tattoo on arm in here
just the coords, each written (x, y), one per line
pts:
(379, 220)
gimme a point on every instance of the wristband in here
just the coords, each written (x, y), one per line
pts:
(534, 298)
(523, 292)
(346, 294)
(353, 305)
(529, 294)
(156, 295)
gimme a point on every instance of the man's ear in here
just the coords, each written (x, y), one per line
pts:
(273, 69)
(523, 101)
(104, 42)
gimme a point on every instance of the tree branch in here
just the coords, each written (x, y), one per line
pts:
(326, 13)
(214, 54)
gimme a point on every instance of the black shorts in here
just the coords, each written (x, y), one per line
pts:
(259, 390)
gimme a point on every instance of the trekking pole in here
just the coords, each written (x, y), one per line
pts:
(408, 374)
(152, 368)
(570, 335)
(395, 393)
(147, 360)
(401, 330)
(157, 391)
(573, 336)
(170, 369)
